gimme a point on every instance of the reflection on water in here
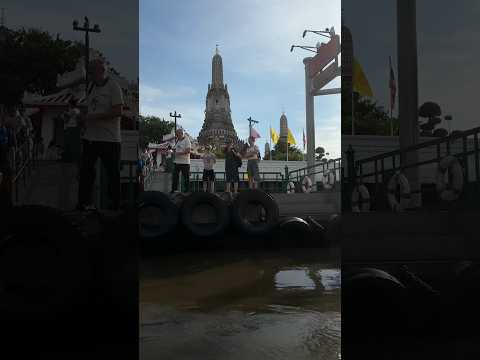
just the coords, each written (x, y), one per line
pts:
(241, 306)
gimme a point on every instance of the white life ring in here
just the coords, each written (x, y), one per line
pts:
(291, 187)
(451, 190)
(399, 179)
(360, 199)
(331, 178)
(306, 184)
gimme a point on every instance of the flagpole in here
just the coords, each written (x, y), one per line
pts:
(389, 83)
(353, 113)
(270, 141)
(391, 122)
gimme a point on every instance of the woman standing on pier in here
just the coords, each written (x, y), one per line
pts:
(252, 154)
(233, 161)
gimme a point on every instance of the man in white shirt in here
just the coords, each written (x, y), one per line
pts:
(181, 151)
(102, 134)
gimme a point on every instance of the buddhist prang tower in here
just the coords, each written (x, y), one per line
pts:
(217, 127)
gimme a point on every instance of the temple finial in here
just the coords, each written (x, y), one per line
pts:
(216, 49)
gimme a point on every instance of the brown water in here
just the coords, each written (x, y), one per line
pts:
(241, 305)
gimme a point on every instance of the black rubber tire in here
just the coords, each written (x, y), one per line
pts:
(167, 210)
(294, 232)
(239, 209)
(318, 233)
(333, 231)
(203, 198)
(45, 269)
(373, 305)
(464, 296)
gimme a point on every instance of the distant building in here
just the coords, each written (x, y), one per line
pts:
(267, 151)
(283, 129)
(217, 129)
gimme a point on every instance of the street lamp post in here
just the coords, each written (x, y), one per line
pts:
(250, 121)
(87, 29)
(175, 115)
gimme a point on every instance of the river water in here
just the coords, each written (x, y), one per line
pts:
(241, 305)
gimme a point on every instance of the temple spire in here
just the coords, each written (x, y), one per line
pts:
(217, 69)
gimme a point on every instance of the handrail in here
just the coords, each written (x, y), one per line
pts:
(377, 169)
(196, 176)
(325, 168)
(422, 145)
(22, 168)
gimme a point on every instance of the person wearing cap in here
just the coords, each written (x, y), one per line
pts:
(181, 160)
(102, 135)
(252, 156)
(209, 159)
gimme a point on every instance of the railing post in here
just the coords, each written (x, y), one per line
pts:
(351, 164)
(285, 184)
(351, 174)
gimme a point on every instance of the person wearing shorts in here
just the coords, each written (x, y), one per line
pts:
(209, 159)
(233, 161)
(252, 156)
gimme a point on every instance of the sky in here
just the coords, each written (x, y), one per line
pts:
(177, 42)
(118, 21)
(447, 38)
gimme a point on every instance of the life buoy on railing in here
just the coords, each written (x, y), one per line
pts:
(451, 190)
(306, 184)
(332, 178)
(398, 179)
(360, 199)
(291, 187)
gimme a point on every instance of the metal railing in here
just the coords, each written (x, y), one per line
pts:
(269, 181)
(332, 166)
(132, 179)
(390, 162)
(377, 170)
(23, 159)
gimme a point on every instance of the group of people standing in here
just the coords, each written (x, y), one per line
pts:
(233, 162)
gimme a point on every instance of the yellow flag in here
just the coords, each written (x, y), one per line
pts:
(360, 81)
(290, 138)
(274, 136)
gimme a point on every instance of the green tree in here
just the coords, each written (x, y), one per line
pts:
(321, 154)
(431, 112)
(279, 153)
(33, 59)
(152, 129)
(370, 119)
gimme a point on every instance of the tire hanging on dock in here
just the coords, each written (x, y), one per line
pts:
(293, 232)
(373, 304)
(398, 205)
(157, 214)
(255, 201)
(449, 190)
(191, 211)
